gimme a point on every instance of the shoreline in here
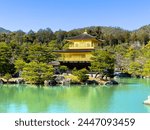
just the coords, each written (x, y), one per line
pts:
(67, 81)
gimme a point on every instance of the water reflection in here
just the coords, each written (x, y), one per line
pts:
(72, 99)
(127, 97)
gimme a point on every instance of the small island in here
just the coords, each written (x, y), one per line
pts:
(89, 55)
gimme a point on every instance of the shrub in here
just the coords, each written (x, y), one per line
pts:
(74, 79)
(7, 76)
(63, 69)
(81, 74)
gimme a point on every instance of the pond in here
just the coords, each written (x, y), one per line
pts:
(127, 97)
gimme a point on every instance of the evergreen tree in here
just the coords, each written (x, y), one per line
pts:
(37, 73)
(103, 62)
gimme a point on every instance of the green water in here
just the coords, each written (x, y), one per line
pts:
(128, 96)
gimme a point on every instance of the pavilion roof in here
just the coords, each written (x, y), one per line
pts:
(83, 36)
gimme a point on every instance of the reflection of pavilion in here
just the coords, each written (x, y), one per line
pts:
(79, 52)
(88, 99)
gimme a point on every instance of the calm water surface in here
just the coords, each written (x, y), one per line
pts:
(128, 96)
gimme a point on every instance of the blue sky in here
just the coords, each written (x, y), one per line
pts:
(71, 14)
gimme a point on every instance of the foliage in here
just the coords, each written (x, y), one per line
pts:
(132, 54)
(40, 53)
(5, 59)
(63, 69)
(19, 65)
(66, 46)
(74, 71)
(146, 69)
(7, 76)
(135, 68)
(81, 74)
(103, 62)
(34, 72)
(53, 45)
(145, 50)
(44, 36)
(121, 62)
(74, 79)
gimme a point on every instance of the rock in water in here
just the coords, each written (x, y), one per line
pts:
(111, 82)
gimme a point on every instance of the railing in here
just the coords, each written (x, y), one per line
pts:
(74, 59)
(81, 47)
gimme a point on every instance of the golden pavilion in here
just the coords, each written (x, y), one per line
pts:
(79, 52)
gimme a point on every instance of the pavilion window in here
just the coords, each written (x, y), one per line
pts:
(88, 44)
(76, 44)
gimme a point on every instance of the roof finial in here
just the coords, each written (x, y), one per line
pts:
(85, 31)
